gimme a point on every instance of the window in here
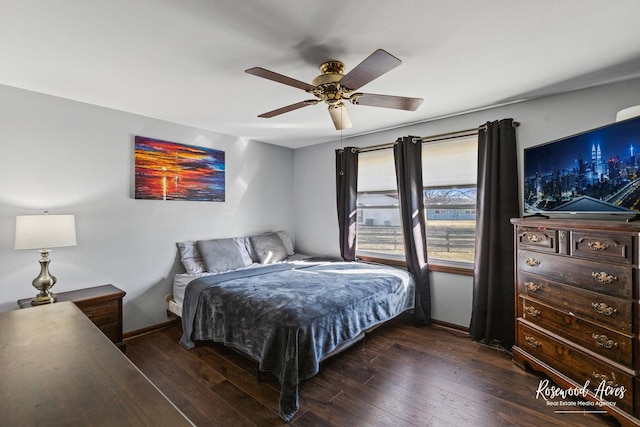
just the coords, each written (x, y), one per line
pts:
(379, 230)
(449, 174)
(451, 231)
(449, 178)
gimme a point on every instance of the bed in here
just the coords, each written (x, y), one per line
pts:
(288, 314)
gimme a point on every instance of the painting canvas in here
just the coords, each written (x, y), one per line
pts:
(171, 171)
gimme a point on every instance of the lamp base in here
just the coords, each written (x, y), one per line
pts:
(44, 281)
(44, 299)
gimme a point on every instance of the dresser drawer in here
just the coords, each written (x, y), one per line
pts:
(100, 313)
(606, 342)
(540, 239)
(578, 366)
(602, 309)
(610, 279)
(602, 247)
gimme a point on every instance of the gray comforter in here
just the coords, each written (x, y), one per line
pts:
(288, 316)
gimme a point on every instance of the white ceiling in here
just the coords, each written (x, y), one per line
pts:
(184, 60)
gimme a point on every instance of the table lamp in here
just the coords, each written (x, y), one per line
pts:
(44, 232)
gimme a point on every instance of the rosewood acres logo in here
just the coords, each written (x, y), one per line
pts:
(571, 397)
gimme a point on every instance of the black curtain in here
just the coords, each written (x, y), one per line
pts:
(346, 193)
(408, 159)
(492, 316)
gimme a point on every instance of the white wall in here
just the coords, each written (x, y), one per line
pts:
(72, 158)
(542, 120)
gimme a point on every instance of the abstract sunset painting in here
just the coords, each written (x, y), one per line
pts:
(171, 171)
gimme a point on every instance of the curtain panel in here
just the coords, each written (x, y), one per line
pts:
(408, 159)
(346, 194)
(492, 316)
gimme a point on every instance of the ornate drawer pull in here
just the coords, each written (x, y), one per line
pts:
(531, 286)
(534, 238)
(604, 341)
(605, 378)
(532, 262)
(533, 342)
(604, 277)
(598, 246)
(603, 308)
(532, 311)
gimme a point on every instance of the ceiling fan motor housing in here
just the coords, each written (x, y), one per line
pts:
(327, 84)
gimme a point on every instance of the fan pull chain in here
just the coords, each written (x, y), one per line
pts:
(341, 126)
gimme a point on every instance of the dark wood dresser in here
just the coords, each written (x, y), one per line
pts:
(101, 304)
(59, 369)
(577, 319)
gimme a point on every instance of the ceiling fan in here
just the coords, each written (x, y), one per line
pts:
(333, 87)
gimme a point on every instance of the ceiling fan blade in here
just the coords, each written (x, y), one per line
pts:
(270, 75)
(378, 63)
(288, 108)
(340, 116)
(386, 101)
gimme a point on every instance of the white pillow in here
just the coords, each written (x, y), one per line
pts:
(286, 241)
(190, 257)
(244, 246)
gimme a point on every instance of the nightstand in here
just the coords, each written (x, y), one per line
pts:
(101, 304)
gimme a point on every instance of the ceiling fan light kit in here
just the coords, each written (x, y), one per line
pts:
(333, 87)
(340, 116)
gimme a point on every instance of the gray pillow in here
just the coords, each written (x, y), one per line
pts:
(268, 248)
(220, 255)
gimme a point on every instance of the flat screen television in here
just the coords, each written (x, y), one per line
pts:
(596, 172)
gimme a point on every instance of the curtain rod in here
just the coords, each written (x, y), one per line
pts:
(432, 138)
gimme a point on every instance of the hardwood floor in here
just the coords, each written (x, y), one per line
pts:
(399, 376)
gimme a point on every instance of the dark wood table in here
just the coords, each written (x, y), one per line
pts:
(59, 369)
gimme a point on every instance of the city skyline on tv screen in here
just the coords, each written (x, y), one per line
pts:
(596, 171)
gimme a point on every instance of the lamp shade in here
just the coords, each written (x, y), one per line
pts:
(45, 231)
